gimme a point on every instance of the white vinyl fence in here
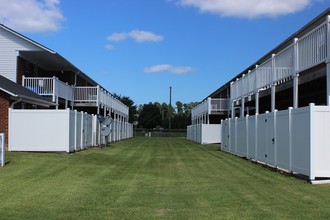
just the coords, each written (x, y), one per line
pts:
(296, 140)
(204, 133)
(2, 149)
(59, 130)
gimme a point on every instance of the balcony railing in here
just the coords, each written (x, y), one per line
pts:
(100, 97)
(210, 106)
(304, 53)
(46, 86)
(55, 88)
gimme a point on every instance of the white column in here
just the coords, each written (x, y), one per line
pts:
(242, 107)
(328, 60)
(257, 102)
(296, 75)
(295, 90)
(273, 71)
(233, 109)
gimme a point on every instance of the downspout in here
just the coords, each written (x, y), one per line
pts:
(14, 103)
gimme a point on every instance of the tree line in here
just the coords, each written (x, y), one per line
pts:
(158, 115)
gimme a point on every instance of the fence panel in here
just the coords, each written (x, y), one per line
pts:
(242, 137)
(210, 133)
(251, 134)
(301, 140)
(72, 131)
(38, 130)
(295, 140)
(232, 135)
(283, 142)
(262, 140)
(320, 142)
(270, 139)
(225, 135)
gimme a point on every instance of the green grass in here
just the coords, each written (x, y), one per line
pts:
(153, 178)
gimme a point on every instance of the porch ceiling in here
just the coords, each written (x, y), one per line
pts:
(52, 61)
(48, 61)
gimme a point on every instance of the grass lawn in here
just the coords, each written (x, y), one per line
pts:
(153, 178)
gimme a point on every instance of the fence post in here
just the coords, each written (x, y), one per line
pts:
(2, 150)
(75, 130)
(247, 136)
(235, 124)
(311, 147)
(275, 137)
(256, 136)
(290, 138)
(229, 134)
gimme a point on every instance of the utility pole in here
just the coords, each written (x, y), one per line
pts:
(170, 111)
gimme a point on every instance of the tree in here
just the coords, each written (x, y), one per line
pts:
(150, 116)
(179, 107)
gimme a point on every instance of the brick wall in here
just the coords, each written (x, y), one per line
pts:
(4, 105)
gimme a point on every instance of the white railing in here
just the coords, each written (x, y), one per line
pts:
(306, 52)
(100, 97)
(218, 105)
(200, 109)
(55, 88)
(210, 106)
(46, 86)
(85, 94)
(39, 85)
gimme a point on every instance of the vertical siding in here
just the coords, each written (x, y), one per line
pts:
(9, 45)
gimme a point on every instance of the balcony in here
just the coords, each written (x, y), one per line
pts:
(210, 106)
(306, 52)
(46, 86)
(97, 96)
(93, 96)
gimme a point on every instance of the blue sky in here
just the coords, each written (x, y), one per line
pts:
(139, 48)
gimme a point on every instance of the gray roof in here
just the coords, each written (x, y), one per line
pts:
(17, 91)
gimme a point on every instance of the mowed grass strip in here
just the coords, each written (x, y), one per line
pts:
(153, 178)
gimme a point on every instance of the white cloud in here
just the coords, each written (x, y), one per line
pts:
(247, 8)
(136, 35)
(169, 68)
(31, 15)
(142, 36)
(117, 37)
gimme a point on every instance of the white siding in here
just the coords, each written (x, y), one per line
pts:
(9, 45)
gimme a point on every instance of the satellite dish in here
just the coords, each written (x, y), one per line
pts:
(105, 126)
(107, 121)
(105, 130)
